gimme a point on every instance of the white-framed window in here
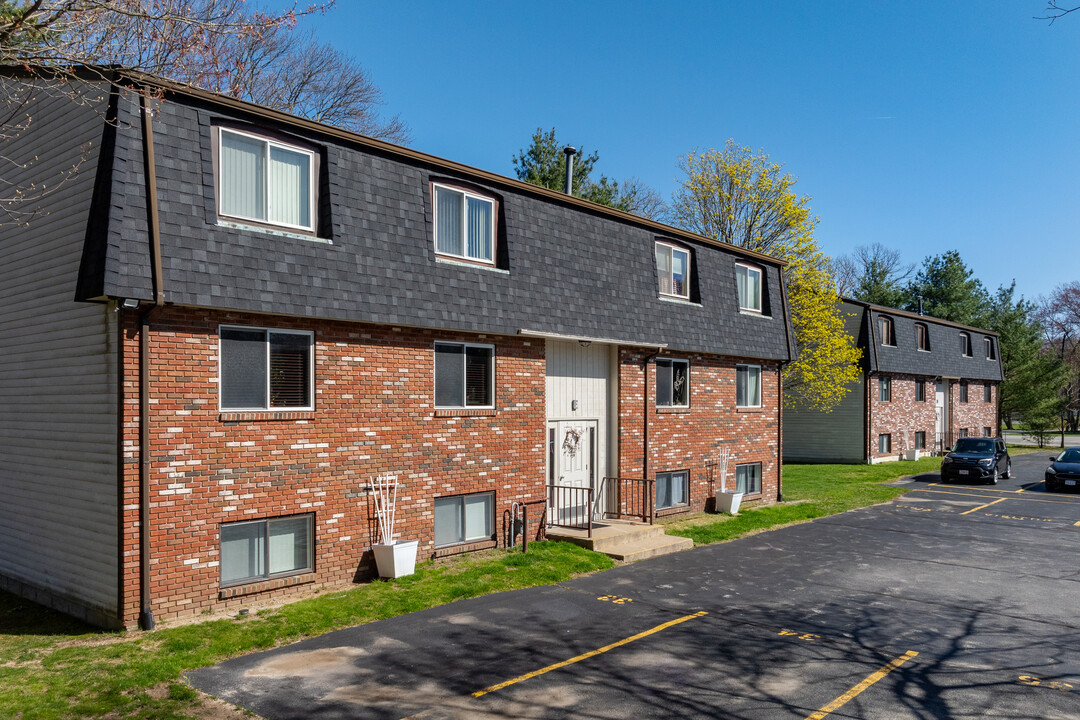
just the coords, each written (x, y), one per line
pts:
(464, 224)
(987, 392)
(884, 389)
(920, 440)
(922, 337)
(258, 549)
(672, 383)
(748, 386)
(464, 375)
(464, 518)
(963, 433)
(673, 270)
(264, 369)
(987, 432)
(884, 443)
(920, 390)
(748, 478)
(672, 489)
(265, 181)
(991, 354)
(888, 331)
(965, 344)
(748, 286)
(963, 391)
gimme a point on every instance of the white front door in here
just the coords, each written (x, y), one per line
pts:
(572, 468)
(939, 421)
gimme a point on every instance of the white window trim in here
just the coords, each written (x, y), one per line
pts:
(270, 143)
(887, 438)
(464, 223)
(760, 286)
(464, 530)
(971, 350)
(760, 386)
(434, 378)
(927, 333)
(991, 354)
(686, 362)
(884, 388)
(686, 282)
(310, 567)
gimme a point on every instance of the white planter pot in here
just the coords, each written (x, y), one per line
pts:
(728, 502)
(395, 559)
(911, 454)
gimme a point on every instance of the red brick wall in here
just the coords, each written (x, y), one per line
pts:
(686, 439)
(900, 413)
(374, 413)
(976, 413)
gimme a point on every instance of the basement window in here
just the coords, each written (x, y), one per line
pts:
(748, 478)
(920, 440)
(464, 518)
(672, 489)
(884, 443)
(262, 369)
(261, 549)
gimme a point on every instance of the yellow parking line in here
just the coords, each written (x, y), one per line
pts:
(968, 512)
(1026, 498)
(588, 655)
(870, 680)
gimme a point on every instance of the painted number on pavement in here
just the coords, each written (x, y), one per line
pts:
(809, 637)
(1039, 682)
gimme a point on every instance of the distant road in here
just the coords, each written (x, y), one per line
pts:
(1015, 437)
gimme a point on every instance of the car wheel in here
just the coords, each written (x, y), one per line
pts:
(993, 477)
(1008, 470)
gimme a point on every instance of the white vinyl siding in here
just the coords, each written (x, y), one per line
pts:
(265, 181)
(464, 224)
(58, 375)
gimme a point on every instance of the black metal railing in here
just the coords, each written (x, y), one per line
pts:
(571, 507)
(943, 442)
(632, 498)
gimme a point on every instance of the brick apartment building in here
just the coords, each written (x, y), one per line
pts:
(924, 383)
(230, 319)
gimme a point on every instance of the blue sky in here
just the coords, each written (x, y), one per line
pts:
(925, 126)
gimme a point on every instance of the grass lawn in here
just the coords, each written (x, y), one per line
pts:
(810, 491)
(53, 667)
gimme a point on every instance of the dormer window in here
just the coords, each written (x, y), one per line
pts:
(265, 181)
(965, 344)
(464, 224)
(673, 270)
(748, 282)
(922, 337)
(888, 332)
(991, 354)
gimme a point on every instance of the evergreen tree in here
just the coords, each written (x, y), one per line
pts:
(949, 290)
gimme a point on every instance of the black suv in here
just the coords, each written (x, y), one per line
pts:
(984, 459)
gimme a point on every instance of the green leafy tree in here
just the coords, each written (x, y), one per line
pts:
(543, 163)
(738, 196)
(1033, 377)
(949, 290)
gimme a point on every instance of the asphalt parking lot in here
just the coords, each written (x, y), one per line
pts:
(953, 601)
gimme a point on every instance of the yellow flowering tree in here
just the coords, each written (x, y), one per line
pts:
(738, 196)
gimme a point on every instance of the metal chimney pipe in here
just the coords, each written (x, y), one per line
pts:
(568, 184)
(920, 305)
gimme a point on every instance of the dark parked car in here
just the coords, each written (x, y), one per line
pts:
(1064, 470)
(984, 459)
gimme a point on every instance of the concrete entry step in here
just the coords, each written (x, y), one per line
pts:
(623, 540)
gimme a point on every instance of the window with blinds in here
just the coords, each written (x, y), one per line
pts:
(265, 181)
(464, 375)
(263, 369)
(464, 224)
